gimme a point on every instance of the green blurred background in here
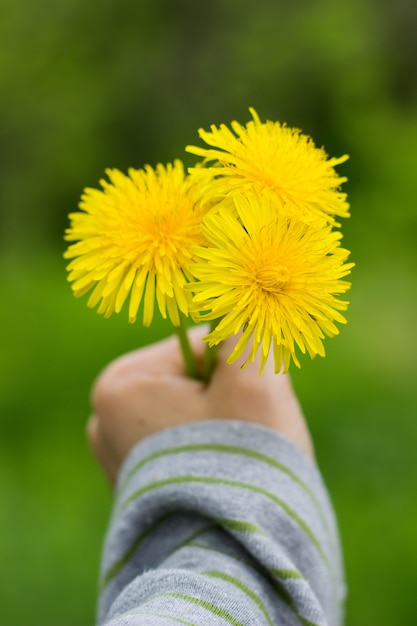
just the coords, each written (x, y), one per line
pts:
(85, 86)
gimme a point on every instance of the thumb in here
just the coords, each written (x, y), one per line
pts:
(245, 364)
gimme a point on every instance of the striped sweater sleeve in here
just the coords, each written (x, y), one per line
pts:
(221, 523)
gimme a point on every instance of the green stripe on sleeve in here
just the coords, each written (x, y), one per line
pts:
(174, 619)
(212, 608)
(120, 563)
(227, 449)
(112, 572)
(252, 595)
(194, 535)
(284, 574)
(241, 526)
(158, 484)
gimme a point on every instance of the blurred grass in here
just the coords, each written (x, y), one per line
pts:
(360, 402)
(130, 84)
(55, 502)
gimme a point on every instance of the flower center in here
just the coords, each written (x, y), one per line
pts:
(272, 278)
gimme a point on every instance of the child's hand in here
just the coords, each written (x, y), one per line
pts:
(147, 390)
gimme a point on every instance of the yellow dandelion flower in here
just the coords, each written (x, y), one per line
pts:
(134, 237)
(273, 277)
(270, 156)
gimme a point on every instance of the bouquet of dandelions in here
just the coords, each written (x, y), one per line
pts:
(248, 240)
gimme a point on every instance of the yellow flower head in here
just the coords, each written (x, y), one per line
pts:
(272, 276)
(270, 156)
(134, 237)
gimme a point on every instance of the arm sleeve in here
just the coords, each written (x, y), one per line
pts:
(221, 523)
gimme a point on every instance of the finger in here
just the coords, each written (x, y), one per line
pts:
(163, 358)
(196, 335)
(92, 433)
(244, 366)
(100, 448)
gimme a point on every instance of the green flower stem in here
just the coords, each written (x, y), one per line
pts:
(210, 356)
(190, 363)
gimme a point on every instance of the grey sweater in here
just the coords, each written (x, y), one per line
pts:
(221, 523)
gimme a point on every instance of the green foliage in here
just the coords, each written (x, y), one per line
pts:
(85, 87)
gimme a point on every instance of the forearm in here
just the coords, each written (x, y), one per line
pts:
(221, 521)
